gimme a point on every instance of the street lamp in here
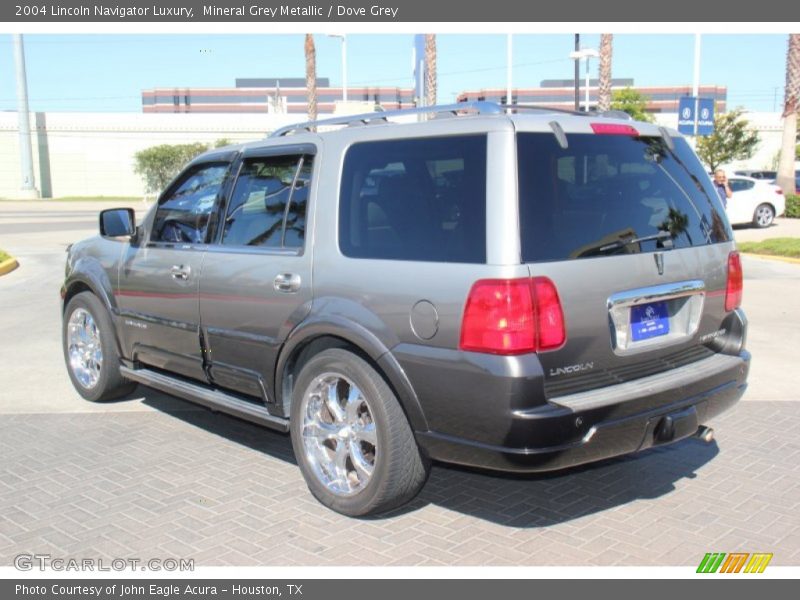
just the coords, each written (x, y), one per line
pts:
(343, 37)
(585, 53)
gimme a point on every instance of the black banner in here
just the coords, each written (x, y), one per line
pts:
(353, 11)
(333, 589)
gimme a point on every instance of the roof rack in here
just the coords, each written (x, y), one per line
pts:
(481, 108)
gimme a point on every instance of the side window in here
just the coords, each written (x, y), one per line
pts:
(417, 199)
(295, 231)
(182, 215)
(739, 185)
(268, 203)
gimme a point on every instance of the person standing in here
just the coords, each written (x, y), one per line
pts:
(723, 187)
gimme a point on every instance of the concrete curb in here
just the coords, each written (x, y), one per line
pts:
(8, 265)
(787, 259)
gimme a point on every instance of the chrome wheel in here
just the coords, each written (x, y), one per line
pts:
(338, 434)
(83, 348)
(764, 215)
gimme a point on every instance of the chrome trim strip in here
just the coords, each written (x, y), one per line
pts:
(664, 291)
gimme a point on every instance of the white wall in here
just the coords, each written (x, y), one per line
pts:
(91, 154)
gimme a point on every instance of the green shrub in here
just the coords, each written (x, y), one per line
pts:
(793, 206)
(158, 165)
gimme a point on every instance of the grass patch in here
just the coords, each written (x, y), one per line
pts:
(4, 255)
(776, 247)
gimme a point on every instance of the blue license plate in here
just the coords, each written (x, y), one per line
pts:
(649, 321)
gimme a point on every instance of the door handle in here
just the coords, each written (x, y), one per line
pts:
(288, 283)
(181, 272)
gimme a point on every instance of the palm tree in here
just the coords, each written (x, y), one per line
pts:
(791, 105)
(604, 85)
(311, 77)
(430, 69)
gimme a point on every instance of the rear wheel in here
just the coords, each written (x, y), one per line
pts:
(351, 438)
(90, 351)
(763, 216)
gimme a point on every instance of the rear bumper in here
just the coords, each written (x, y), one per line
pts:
(590, 426)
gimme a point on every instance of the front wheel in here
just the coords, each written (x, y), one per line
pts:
(351, 438)
(763, 216)
(90, 350)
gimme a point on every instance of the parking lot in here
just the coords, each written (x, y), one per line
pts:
(153, 476)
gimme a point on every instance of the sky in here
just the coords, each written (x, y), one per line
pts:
(106, 73)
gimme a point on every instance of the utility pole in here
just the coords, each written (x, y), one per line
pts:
(577, 74)
(28, 189)
(696, 84)
(509, 100)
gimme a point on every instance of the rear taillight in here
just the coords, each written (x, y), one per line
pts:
(512, 316)
(614, 129)
(778, 191)
(733, 290)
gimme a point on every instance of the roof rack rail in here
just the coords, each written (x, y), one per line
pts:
(481, 108)
(543, 109)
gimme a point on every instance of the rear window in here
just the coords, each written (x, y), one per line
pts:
(602, 192)
(417, 199)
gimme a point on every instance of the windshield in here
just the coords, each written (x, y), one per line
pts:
(613, 194)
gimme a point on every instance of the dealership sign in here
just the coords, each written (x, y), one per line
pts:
(696, 112)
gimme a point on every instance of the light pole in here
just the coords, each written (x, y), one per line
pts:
(509, 101)
(585, 54)
(28, 189)
(343, 37)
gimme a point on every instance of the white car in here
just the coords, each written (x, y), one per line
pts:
(754, 201)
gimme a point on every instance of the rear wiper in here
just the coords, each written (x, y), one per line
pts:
(665, 237)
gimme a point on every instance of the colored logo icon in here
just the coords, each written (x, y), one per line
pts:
(735, 562)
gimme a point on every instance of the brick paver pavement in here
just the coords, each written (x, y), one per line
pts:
(193, 484)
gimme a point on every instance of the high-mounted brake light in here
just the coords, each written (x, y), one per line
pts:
(613, 129)
(733, 289)
(512, 316)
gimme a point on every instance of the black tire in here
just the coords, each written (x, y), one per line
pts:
(110, 384)
(763, 216)
(400, 469)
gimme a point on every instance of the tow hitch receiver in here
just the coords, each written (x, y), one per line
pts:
(671, 427)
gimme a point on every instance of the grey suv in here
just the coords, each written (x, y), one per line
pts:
(520, 292)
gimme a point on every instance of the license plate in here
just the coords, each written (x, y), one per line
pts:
(649, 321)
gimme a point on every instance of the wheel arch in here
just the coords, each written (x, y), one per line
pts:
(87, 282)
(315, 336)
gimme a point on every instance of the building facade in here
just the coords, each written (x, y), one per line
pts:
(560, 93)
(269, 95)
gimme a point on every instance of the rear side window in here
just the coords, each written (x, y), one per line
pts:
(418, 199)
(268, 204)
(603, 191)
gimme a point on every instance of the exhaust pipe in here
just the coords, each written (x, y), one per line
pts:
(705, 433)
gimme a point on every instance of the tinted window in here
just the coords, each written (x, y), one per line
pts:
(295, 231)
(738, 185)
(258, 206)
(604, 190)
(183, 213)
(420, 199)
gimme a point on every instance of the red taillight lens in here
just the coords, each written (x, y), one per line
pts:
(614, 129)
(512, 316)
(549, 316)
(733, 291)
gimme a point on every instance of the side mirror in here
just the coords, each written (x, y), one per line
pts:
(117, 222)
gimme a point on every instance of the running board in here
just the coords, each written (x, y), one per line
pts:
(209, 398)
